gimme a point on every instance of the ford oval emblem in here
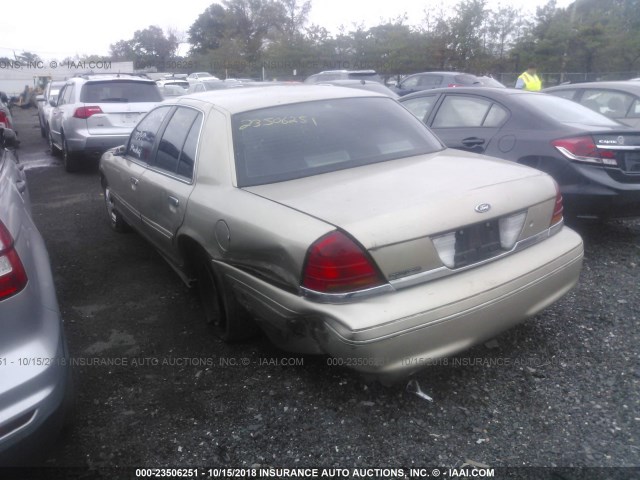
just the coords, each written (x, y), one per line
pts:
(483, 208)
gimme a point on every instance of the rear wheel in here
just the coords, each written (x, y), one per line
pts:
(116, 221)
(222, 311)
(69, 158)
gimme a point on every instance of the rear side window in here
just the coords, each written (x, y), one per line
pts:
(174, 139)
(421, 106)
(608, 102)
(120, 91)
(564, 93)
(293, 141)
(144, 135)
(467, 111)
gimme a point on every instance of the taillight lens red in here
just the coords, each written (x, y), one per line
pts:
(4, 120)
(337, 264)
(86, 112)
(558, 208)
(13, 277)
(584, 149)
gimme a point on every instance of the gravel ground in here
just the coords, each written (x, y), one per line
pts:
(560, 390)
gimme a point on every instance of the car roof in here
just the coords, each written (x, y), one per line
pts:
(619, 85)
(486, 91)
(237, 100)
(443, 73)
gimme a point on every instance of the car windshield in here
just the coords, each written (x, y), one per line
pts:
(293, 141)
(565, 111)
(120, 91)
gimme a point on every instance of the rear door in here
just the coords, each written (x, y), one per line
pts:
(166, 185)
(468, 122)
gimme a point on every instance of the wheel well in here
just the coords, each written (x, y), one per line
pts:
(191, 251)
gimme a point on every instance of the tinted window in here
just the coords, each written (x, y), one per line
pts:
(120, 91)
(299, 140)
(420, 107)
(187, 158)
(173, 139)
(144, 135)
(564, 111)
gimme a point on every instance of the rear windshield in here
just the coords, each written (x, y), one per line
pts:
(120, 91)
(293, 141)
(366, 76)
(565, 111)
(467, 79)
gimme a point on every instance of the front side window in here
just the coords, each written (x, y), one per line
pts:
(293, 141)
(144, 135)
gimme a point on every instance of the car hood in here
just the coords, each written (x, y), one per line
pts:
(400, 200)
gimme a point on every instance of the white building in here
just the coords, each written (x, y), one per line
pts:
(15, 74)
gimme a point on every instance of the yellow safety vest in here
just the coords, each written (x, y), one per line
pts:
(532, 83)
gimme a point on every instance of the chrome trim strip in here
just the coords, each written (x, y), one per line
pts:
(445, 271)
(345, 297)
(619, 147)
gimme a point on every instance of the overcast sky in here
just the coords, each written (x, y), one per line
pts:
(56, 30)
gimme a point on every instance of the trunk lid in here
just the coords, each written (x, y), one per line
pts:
(403, 200)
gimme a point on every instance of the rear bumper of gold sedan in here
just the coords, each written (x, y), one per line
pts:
(395, 334)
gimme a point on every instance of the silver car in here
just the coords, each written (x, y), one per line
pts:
(339, 224)
(45, 107)
(94, 113)
(35, 379)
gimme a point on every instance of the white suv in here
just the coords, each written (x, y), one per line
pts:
(94, 113)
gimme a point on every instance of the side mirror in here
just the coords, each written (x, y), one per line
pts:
(53, 103)
(8, 139)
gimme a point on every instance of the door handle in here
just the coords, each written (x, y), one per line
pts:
(472, 142)
(173, 201)
(134, 181)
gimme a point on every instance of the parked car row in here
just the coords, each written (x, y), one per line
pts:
(335, 220)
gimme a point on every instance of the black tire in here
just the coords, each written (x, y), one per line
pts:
(222, 311)
(116, 222)
(69, 159)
